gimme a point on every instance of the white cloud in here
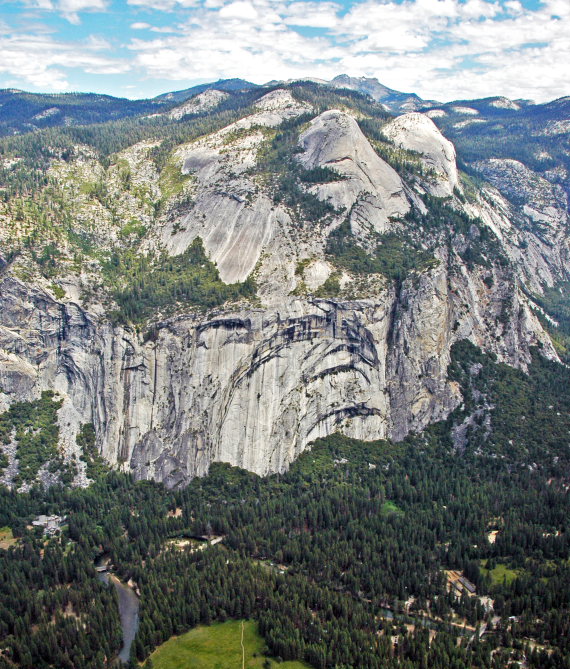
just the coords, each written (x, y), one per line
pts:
(154, 29)
(311, 14)
(71, 8)
(41, 61)
(164, 5)
(442, 49)
(239, 10)
(229, 43)
(480, 8)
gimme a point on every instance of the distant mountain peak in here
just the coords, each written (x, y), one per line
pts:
(394, 101)
(362, 83)
(220, 85)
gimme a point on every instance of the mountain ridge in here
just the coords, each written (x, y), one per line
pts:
(21, 111)
(234, 284)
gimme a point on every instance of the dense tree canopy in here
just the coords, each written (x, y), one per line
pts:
(341, 560)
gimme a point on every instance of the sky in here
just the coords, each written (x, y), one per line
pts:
(440, 49)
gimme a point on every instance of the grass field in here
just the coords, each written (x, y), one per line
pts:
(389, 508)
(217, 647)
(500, 573)
(6, 538)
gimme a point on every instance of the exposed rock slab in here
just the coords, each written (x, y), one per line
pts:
(335, 141)
(234, 219)
(417, 132)
(253, 387)
(202, 102)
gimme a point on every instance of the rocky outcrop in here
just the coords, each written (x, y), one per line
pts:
(335, 141)
(532, 222)
(546, 204)
(254, 387)
(253, 384)
(417, 132)
(202, 102)
(234, 218)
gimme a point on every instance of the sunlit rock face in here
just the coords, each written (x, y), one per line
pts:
(334, 140)
(254, 383)
(417, 132)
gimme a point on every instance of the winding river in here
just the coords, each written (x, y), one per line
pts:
(128, 610)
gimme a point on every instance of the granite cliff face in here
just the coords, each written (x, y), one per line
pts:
(334, 140)
(253, 383)
(417, 132)
(253, 387)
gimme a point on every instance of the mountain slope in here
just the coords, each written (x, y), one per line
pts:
(26, 112)
(220, 85)
(394, 101)
(499, 129)
(234, 286)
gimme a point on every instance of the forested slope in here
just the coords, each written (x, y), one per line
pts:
(342, 560)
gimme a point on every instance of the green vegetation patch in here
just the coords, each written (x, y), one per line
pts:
(479, 244)
(95, 466)
(288, 179)
(499, 573)
(145, 284)
(133, 228)
(4, 462)
(331, 287)
(96, 190)
(319, 175)
(58, 291)
(337, 452)
(33, 425)
(402, 160)
(393, 256)
(7, 538)
(556, 302)
(529, 414)
(217, 646)
(390, 508)
(172, 181)
(322, 98)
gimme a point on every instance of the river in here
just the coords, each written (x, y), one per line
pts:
(128, 610)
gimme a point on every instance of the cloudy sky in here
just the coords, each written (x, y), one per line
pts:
(440, 49)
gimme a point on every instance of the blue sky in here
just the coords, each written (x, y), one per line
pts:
(440, 49)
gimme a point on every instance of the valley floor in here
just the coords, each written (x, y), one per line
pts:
(364, 555)
(218, 646)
